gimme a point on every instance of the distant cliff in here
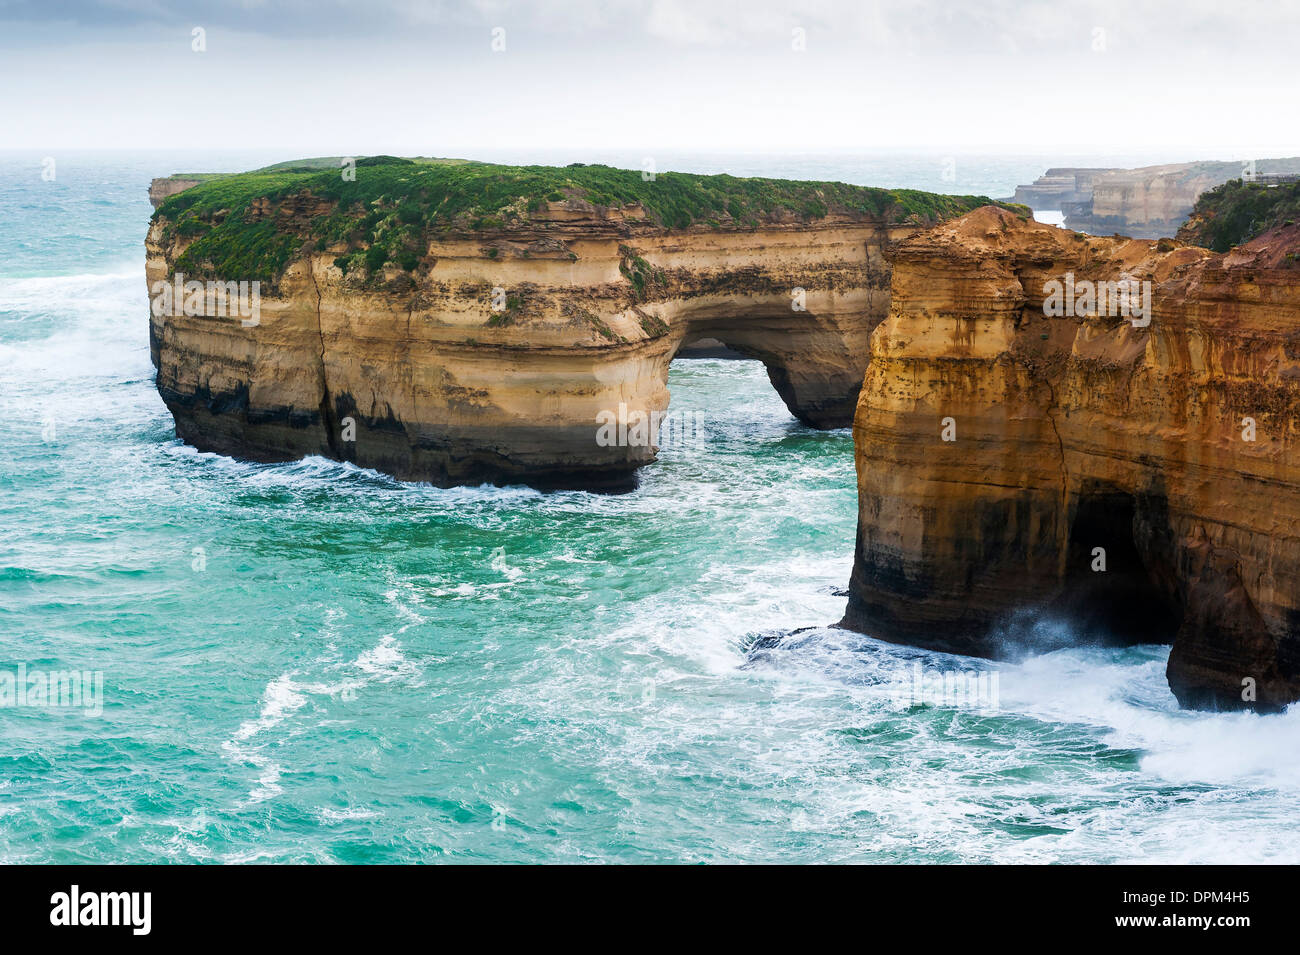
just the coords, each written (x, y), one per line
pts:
(1137, 478)
(160, 190)
(1149, 202)
(1061, 188)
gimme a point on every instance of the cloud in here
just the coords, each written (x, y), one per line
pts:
(919, 27)
(420, 75)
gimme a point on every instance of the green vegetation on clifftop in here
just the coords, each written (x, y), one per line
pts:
(394, 206)
(1236, 212)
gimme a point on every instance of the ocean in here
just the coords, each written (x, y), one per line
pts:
(311, 662)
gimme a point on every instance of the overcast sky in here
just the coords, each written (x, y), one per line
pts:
(1199, 78)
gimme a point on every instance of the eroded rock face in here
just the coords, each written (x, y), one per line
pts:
(161, 189)
(1170, 450)
(440, 383)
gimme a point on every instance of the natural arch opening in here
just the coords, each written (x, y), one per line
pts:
(815, 368)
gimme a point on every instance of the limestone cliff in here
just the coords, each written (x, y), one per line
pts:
(1001, 452)
(1061, 187)
(429, 332)
(162, 189)
(1147, 202)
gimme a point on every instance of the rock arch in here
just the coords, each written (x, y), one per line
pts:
(496, 365)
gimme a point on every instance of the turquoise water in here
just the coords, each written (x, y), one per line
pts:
(312, 662)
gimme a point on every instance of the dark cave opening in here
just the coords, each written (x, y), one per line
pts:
(1119, 585)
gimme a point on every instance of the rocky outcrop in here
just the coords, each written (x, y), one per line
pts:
(501, 351)
(1138, 479)
(160, 190)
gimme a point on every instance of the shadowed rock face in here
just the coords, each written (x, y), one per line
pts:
(1084, 432)
(433, 382)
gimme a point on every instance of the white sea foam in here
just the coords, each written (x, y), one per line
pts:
(65, 339)
(281, 697)
(1204, 787)
(385, 661)
(1127, 695)
(329, 815)
(289, 693)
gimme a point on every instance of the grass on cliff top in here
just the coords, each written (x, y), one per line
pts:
(394, 205)
(1236, 212)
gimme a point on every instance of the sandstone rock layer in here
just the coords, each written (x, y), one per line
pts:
(495, 360)
(1171, 449)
